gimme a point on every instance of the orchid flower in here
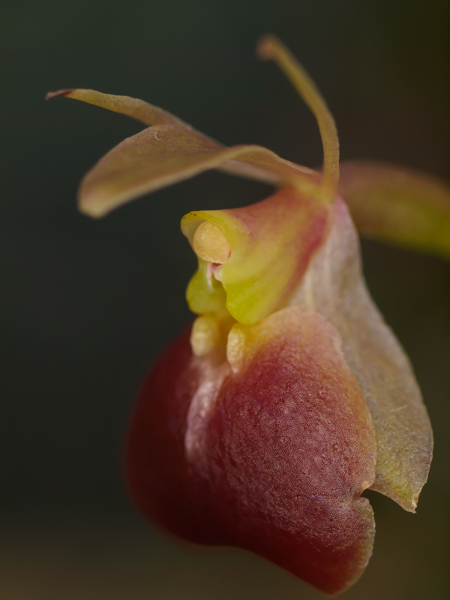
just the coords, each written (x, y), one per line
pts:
(263, 423)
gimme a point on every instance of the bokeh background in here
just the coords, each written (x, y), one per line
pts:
(87, 305)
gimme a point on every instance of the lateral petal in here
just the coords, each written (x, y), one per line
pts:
(167, 152)
(334, 286)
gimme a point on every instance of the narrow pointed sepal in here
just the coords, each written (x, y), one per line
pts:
(398, 205)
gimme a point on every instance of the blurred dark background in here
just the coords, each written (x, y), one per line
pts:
(87, 305)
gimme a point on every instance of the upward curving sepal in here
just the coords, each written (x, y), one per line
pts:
(271, 47)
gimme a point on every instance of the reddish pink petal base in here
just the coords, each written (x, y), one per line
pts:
(271, 458)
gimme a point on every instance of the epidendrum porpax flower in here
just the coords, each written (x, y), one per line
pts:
(263, 423)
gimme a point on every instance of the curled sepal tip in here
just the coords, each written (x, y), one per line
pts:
(270, 47)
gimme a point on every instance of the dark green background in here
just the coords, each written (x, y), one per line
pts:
(87, 305)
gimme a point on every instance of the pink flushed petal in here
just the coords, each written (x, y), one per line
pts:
(334, 286)
(270, 454)
(165, 154)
